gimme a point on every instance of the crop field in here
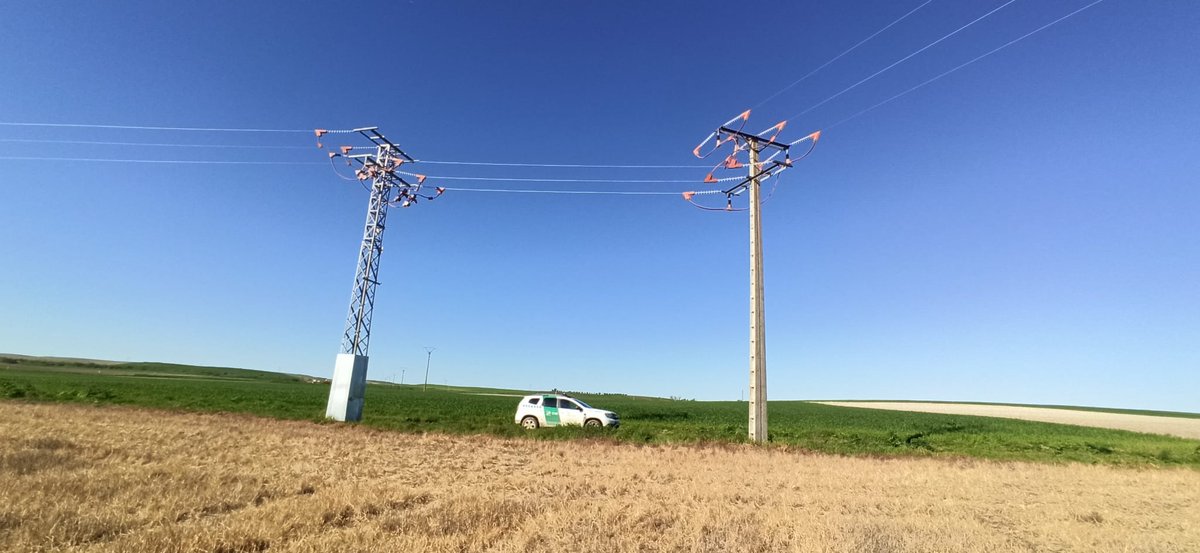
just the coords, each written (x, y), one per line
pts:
(794, 425)
(1184, 427)
(88, 478)
(1142, 412)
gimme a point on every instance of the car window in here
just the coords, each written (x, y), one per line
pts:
(564, 404)
(551, 402)
(534, 400)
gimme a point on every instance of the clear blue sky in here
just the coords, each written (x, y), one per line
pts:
(1022, 230)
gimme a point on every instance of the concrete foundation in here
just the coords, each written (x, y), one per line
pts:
(349, 385)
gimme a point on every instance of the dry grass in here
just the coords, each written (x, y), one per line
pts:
(75, 478)
(1171, 426)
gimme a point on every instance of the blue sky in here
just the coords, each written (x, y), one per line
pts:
(1021, 230)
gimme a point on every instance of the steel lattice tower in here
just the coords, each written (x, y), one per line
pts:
(388, 186)
(357, 337)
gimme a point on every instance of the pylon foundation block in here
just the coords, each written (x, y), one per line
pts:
(349, 385)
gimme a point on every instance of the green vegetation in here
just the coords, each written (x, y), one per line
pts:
(794, 424)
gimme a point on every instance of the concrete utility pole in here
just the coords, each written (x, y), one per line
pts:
(759, 169)
(428, 356)
(758, 343)
(381, 168)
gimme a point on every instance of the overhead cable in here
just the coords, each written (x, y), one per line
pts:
(969, 62)
(591, 192)
(256, 162)
(562, 165)
(278, 147)
(518, 179)
(152, 128)
(839, 56)
(162, 144)
(162, 161)
(904, 59)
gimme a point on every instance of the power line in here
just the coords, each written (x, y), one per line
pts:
(160, 161)
(839, 56)
(904, 59)
(530, 191)
(258, 146)
(521, 179)
(162, 144)
(585, 192)
(973, 60)
(436, 177)
(562, 165)
(258, 162)
(153, 128)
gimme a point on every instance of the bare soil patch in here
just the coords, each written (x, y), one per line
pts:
(1171, 426)
(120, 479)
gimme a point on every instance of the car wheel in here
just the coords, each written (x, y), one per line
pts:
(530, 422)
(592, 423)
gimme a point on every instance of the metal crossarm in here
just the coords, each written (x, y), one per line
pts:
(762, 143)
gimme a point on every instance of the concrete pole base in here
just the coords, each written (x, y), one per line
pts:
(348, 387)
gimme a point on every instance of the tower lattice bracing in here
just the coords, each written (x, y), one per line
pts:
(380, 165)
(357, 337)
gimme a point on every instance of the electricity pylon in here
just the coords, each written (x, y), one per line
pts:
(428, 357)
(759, 170)
(388, 187)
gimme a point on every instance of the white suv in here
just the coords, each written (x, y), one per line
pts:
(554, 409)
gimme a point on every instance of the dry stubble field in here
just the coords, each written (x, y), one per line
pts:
(1171, 426)
(79, 478)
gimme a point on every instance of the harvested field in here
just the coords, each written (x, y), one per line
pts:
(1170, 426)
(83, 478)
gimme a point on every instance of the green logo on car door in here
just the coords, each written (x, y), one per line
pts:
(550, 406)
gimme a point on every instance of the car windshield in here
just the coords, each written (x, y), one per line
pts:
(581, 403)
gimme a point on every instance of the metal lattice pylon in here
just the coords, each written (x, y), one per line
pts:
(357, 337)
(388, 186)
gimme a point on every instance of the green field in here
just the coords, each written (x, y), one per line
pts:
(794, 424)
